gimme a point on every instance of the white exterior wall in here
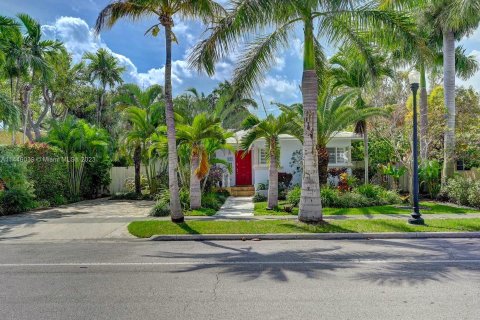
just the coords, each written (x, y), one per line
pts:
(229, 178)
(287, 147)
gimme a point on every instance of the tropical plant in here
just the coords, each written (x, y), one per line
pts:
(353, 74)
(104, 68)
(33, 55)
(81, 143)
(270, 129)
(396, 172)
(338, 21)
(451, 20)
(430, 176)
(144, 113)
(334, 114)
(194, 135)
(165, 11)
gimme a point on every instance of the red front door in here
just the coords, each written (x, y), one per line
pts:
(243, 168)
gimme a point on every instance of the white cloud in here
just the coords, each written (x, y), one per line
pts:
(79, 38)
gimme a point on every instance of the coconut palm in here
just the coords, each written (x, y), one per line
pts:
(194, 135)
(165, 11)
(34, 54)
(451, 19)
(104, 68)
(270, 129)
(338, 21)
(352, 74)
(144, 113)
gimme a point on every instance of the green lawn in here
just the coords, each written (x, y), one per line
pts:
(146, 229)
(201, 212)
(433, 208)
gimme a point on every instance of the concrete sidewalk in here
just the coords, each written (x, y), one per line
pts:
(94, 219)
(236, 207)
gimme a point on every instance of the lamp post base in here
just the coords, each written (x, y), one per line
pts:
(416, 219)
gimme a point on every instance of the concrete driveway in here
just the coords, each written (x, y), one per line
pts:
(94, 219)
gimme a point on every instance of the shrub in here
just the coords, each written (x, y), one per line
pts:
(474, 195)
(185, 198)
(457, 190)
(14, 201)
(212, 200)
(258, 197)
(47, 171)
(96, 176)
(390, 197)
(161, 209)
(353, 200)
(293, 196)
(131, 196)
(329, 197)
(130, 184)
(370, 191)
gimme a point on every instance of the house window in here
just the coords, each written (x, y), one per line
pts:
(460, 165)
(262, 156)
(337, 155)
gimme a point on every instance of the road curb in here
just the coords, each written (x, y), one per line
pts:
(316, 236)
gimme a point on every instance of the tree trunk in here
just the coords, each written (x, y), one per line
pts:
(272, 179)
(26, 107)
(137, 157)
(366, 153)
(195, 191)
(323, 158)
(423, 115)
(449, 87)
(310, 208)
(175, 206)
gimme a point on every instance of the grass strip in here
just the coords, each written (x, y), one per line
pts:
(146, 229)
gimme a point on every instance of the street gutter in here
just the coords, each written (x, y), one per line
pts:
(315, 236)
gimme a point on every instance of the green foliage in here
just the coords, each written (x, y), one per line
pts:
(13, 201)
(130, 196)
(362, 196)
(430, 174)
(258, 197)
(161, 209)
(293, 196)
(213, 200)
(47, 171)
(458, 190)
(14, 169)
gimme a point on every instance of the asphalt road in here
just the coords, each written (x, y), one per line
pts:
(376, 279)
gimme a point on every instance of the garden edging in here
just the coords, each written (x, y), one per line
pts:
(316, 236)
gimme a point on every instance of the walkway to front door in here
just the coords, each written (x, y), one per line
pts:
(236, 207)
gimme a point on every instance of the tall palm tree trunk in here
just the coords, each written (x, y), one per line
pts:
(175, 206)
(195, 191)
(310, 208)
(322, 154)
(449, 87)
(272, 179)
(366, 153)
(423, 115)
(137, 161)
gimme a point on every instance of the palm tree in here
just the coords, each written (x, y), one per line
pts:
(338, 21)
(9, 115)
(194, 135)
(334, 114)
(270, 129)
(105, 68)
(35, 52)
(424, 56)
(77, 139)
(351, 74)
(165, 11)
(143, 114)
(452, 19)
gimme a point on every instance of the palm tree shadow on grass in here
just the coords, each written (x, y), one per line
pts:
(250, 263)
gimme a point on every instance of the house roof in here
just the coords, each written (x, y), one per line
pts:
(343, 135)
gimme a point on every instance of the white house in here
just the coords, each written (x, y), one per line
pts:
(252, 169)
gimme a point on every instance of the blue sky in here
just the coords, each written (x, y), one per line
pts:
(71, 22)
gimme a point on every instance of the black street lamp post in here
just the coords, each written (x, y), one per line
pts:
(414, 78)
